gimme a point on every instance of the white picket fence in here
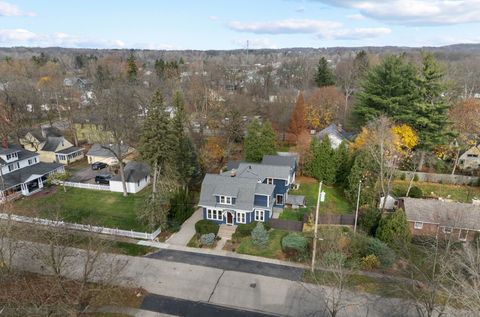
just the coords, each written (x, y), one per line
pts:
(85, 185)
(81, 227)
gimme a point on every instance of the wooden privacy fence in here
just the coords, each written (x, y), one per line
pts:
(292, 225)
(81, 227)
(334, 219)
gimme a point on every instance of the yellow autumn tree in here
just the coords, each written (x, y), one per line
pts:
(403, 136)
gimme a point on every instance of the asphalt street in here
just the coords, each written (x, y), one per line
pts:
(230, 264)
(187, 308)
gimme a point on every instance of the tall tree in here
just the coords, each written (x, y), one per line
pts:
(260, 140)
(321, 161)
(324, 76)
(364, 169)
(393, 229)
(297, 121)
(344, 164)
(132, 69)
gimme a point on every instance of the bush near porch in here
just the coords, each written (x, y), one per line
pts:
(85, 206)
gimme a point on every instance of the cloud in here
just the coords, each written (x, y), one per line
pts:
(255, 43)
(10, 10)
(356, 17)
(22, 37)
(290, 26)
(415, 12)
(322, 29)
(300, 9)
(213, 18)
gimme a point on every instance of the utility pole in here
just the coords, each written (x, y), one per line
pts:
(358, 205)
(315, 237)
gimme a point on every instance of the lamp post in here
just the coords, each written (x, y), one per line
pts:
(320, 197)
(358, 205)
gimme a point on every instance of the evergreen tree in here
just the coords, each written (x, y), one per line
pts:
(393, 229)
(186, 158)
(324, 76)
(259, 235)
(369, 220)
(363, 169)
(298, 123)
(132, 69)
(344, 165)
(260, 140)
(321, 161)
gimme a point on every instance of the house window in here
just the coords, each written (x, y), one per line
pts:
(472, 155)
(447, 230)
(214, 214)
(462, 235)
(260, 215)
(418, 225)
(226, 200)
(241, 217)
(279, 199)
(11, 155)
(13, 166)
(209, 213)
(269, 181)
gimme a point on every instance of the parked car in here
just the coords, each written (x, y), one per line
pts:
(103, 179)
(98, 165)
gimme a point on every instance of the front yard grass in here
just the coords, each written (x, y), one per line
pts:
(460, 193)
(85, 206)
(335, 201)
(273, 250)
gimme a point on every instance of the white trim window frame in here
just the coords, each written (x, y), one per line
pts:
(241, 217)
(214, 214)
(269, 180)
(276, 199)
(418, 225)
(226, 200)
(460, 234)
(260, 215)
(447, 230)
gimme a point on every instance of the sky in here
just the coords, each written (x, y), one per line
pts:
(228, 24)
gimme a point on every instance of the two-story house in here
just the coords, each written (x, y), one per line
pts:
(249, 192)
(22, 173)
(51, 146)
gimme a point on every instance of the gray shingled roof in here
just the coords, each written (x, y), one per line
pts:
(243, 189)
(52, 143)
(451, 214)
(20, 176)
(333, 129)
(260, 171)
(134, 171)
(97, 150)
(280, 160)
(69, 150)
(22, 154)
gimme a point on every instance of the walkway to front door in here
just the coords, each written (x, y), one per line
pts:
(187, 230)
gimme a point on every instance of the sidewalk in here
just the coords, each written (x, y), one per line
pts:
(187, 231)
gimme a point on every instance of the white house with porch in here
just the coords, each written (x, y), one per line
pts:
(22, 173)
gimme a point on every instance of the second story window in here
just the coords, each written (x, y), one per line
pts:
(269, 181)
(226, 200)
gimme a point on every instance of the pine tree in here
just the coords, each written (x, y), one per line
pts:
(344, 165)
(393, 229)
(259, 235)
(132, 68)
(321, 161)
(324, 76)
(298, 123)
(363, 169)
(260, 140)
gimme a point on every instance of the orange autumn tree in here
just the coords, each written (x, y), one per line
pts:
(297, 122)
(323, 106)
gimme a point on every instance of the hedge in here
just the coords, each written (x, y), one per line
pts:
(205, 226)
(294, 245)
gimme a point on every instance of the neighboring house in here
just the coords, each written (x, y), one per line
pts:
(51, 146)
(137, 177)
(247, 193)
(431, 217)
(336, 135)
(100, 153)
(22, 173)
(470, 159)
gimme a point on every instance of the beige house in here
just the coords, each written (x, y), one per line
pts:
(103, 153)
(470, 159)
(51, 146)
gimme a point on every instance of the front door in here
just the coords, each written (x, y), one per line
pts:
(279, 199)
(229, 218)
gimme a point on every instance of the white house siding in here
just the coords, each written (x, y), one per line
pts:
(22, 163)
(107, 160)
(132, 188)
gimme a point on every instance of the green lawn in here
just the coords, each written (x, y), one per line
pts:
(273, 250)
(335, 201)
(459, 193)
(293, 214)
(86, 206)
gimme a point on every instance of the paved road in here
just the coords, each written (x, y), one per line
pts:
(230, 264)
(186, 308)
(186, 232)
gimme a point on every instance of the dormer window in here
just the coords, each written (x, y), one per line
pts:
(226, 200)
(12, 155)
(269, 181)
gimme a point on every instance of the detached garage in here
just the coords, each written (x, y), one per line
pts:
(137, 177)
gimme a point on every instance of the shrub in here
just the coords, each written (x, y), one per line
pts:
(206, 226)
(403, 176)
(207, 239)
(369, 220)
(295, 245)
(415, 192)
(370, 262)
(363, 246)
(244, 230)
(393, 229)
(259, 235)
(334, 259)
(415, 178)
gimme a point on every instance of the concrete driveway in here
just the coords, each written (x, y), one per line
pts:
(187, 231)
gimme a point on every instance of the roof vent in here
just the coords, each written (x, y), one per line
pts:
(233, 173)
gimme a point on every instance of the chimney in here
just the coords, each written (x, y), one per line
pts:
(233, 173)
(5, 143)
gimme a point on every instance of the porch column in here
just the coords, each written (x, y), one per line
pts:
(40, 183)
(24, 189)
